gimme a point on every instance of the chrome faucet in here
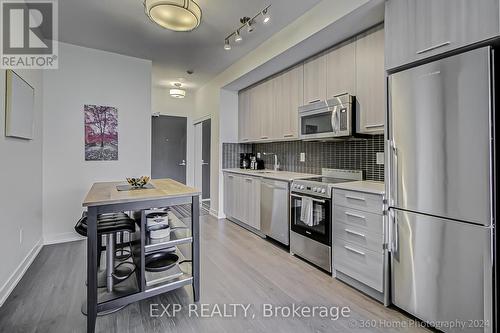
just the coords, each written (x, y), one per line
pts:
(276, 166)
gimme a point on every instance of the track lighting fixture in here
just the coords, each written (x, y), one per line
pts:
(249, 24)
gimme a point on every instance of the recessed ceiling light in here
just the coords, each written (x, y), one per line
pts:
(176, 15)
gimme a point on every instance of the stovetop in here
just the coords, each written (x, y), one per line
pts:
(322, 185)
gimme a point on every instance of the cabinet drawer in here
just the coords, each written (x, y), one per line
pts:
(371, 222)
(366, 202)
(361, 264)
(358, 236)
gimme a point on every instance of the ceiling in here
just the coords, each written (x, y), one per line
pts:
(121, 26)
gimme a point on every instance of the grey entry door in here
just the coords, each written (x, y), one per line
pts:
(168, 148)
(205, 162)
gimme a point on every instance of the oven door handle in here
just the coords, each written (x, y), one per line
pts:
(313, 199)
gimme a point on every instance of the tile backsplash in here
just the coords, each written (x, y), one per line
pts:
(358, 154)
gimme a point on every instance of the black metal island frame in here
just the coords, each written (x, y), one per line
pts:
(103, 198)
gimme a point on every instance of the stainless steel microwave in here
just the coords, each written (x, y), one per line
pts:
(327, 119)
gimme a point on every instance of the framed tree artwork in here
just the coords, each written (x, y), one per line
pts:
(101, 133)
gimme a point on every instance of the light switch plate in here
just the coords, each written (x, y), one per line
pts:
(380, 158)
(302, 157)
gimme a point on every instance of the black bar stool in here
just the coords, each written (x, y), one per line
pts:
(109, 225)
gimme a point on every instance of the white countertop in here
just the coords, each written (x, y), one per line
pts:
(271, 174)
(367, 186)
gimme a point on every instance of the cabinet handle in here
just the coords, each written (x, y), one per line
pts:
(374, 126)
(316, 100)
(433, 47)
(355, 215)
(248, 179)
(244, 139)
(354, 198)
(354, 233)
(288, 135)
(264, 137)
(354, 250)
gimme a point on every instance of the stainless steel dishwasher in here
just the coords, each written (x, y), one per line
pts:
(274, 211)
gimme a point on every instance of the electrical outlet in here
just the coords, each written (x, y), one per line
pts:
(302, 157)
(380, 158)
(20, 235)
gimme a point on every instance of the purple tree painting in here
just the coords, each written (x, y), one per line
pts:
(101, 133)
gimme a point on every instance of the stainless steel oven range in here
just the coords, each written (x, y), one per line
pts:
(311, 215)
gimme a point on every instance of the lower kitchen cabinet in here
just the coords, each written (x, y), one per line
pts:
(242, 199)
(359, 257)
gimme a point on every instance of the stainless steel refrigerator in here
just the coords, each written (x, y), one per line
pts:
(440, 191)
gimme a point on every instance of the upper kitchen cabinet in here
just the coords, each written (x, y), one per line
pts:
(315, 79)
(244, 117)
(341, 69)
(370, 81)
(288, 96)
(417, 29)
(266, 110)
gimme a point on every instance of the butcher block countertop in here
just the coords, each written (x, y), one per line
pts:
(271, 174)
(105, 193)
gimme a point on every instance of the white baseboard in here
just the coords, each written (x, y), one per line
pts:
(18, 273)
(215, 214)
(64, 237)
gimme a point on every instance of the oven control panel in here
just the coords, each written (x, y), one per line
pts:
(321, 190)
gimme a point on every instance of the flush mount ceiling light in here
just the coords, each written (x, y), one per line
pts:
(176, 15)
(177, 92)
(249, 24)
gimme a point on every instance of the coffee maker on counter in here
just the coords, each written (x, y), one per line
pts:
(250, 161)
(245, 160)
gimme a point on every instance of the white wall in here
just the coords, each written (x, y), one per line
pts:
(88, 76)
(208, 97)
(20, 191)
(164, 104)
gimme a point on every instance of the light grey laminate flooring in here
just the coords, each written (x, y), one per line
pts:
(237, 268)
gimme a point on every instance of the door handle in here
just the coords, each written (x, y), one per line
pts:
(335, 120)
(316, 100)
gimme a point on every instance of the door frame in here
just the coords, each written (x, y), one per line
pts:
(196, 122)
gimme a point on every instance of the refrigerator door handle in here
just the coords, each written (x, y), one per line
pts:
(393, 243)
(393, 169)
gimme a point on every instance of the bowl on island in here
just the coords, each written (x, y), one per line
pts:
(138, 182)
